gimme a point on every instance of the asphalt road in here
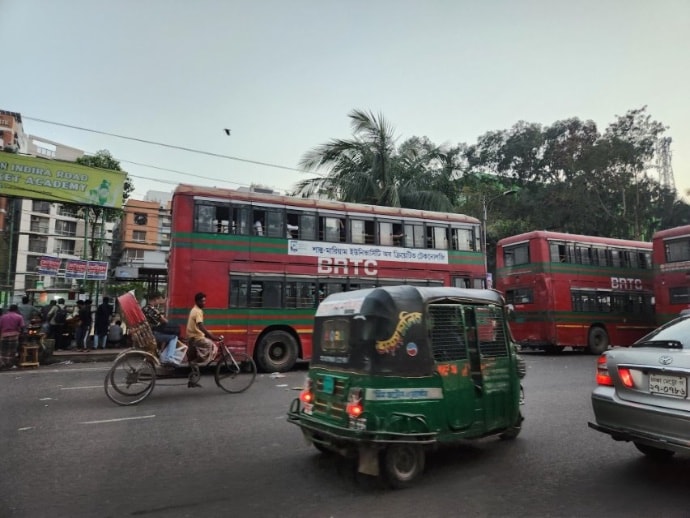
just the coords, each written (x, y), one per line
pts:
(67, 451)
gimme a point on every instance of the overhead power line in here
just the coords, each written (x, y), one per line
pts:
(170, 146)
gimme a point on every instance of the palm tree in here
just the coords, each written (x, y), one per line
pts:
(369, 168)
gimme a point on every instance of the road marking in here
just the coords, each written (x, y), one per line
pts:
(118, 420)
(25, 428)
(81, 388)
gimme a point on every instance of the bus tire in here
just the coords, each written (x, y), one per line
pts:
(598, 340)
(277, 352)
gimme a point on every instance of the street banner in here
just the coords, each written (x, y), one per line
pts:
(48, 265)
(62, 182)
(96, 270)
(75, 269)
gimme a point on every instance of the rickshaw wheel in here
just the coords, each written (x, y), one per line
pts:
(403, 463)
(130, 380)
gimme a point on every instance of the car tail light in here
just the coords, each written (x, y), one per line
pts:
(603, 376)
(307, 396)
(626, 377)
(354, 403)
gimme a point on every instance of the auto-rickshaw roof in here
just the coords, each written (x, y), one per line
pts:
(401, 298)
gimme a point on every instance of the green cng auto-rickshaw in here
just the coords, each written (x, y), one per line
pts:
(397, 370)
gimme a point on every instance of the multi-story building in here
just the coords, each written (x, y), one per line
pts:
(142, 240)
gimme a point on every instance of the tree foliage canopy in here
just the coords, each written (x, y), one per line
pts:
(569, 176)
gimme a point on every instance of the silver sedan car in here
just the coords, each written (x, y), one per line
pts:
(642, 391)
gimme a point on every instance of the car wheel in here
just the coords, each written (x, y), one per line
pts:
(653, 452)
(598, 340)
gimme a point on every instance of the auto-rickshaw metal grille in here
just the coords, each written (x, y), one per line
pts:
(331, 404)
(446, 333)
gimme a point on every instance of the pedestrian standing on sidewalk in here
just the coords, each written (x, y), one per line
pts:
(57, 317)
(27, 311)
(11, 325)
(84, 329)
(102, 321)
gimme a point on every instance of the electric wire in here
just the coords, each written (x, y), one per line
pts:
(169, 146)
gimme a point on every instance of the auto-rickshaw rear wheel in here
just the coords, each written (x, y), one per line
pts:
(513, 431)
(402, 464)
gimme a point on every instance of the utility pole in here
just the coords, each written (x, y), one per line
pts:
(485, 209)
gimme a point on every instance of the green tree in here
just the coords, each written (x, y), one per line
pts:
(92, 213)
(370, 169)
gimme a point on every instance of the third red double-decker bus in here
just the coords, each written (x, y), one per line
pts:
(671, 256)
(265, 261)
(578, 291)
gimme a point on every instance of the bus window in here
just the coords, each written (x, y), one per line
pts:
(266, 294)
(299, 294)
(275, 223)
(678, 250)
(520, 296)
(385, 233)
(239, 289)
(240, 216)
(357, 232)
(211, 218)
(515, 255)
(461, 239)
(307, 226)
(268, 222)
(414, 235)
(460, 282)
(437, 237)
(332, 229)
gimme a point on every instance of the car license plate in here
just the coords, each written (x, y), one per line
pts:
(676, 386)
(328, 384)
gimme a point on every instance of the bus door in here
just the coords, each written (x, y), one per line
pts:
(461, 399)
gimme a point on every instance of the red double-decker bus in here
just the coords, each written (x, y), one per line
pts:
(578, 291)
(265, 261)
(671, 256)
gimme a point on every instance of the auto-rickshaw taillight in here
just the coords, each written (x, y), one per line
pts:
(354, 406)
(307, 396)
(626, 377)
(603, 376)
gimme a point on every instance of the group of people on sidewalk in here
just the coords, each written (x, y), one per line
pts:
(58, 325)
(69, 329)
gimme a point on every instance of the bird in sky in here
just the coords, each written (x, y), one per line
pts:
(227, 131)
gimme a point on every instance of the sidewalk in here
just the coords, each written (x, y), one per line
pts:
(75, 356)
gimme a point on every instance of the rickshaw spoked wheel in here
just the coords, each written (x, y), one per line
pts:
(403, 463)
(131, 379)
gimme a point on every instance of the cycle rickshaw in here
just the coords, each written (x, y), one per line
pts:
(134, 373)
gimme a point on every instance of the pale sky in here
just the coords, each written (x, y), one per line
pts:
(283, 75)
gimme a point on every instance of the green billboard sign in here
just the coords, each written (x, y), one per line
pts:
(58, 181)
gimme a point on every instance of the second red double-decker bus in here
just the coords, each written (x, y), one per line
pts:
(265, 261)
(578, 291)
(671, 256)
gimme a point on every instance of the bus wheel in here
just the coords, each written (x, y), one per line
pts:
(277, 352)
(403, 463)
(598, 340)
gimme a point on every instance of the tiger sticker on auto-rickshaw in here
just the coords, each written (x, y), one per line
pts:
(399, 370)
